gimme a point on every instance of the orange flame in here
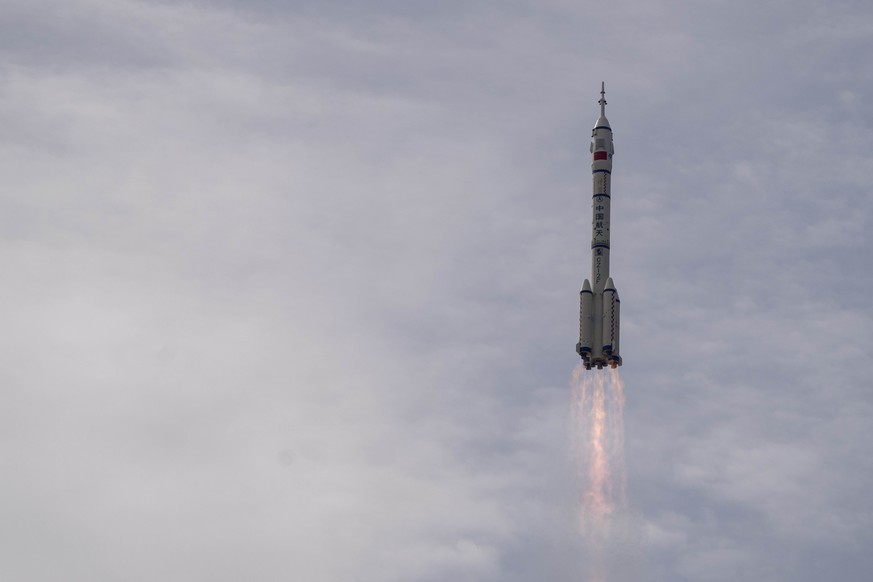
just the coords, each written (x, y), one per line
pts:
(598, 405)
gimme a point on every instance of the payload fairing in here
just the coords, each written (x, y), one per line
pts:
(599, 306)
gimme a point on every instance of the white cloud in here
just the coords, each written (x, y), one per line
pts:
(292, 288)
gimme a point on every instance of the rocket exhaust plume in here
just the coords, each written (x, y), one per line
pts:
(598, 409)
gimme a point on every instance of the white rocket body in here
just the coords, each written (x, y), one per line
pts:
(599, 305)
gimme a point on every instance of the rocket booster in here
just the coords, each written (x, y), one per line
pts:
(599, 305)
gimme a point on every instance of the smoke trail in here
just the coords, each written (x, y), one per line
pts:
(598, 419)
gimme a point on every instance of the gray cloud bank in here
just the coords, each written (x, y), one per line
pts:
(290, 288)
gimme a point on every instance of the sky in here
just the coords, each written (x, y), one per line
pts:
(289, 289)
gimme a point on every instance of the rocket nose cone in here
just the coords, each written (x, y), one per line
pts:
(610, 284)
(602, 122)
(586, 286)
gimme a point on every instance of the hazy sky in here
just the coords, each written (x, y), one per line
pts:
(289, 289)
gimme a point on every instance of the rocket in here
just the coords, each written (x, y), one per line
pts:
(599, 306)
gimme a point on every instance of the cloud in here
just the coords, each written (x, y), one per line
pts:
(292, 288)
